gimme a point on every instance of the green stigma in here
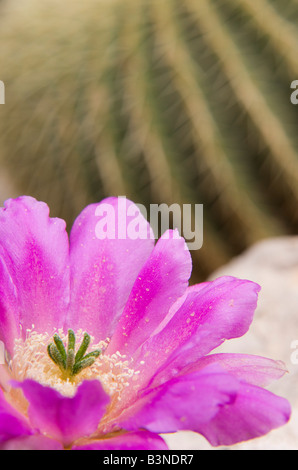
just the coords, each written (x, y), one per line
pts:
(70, 362)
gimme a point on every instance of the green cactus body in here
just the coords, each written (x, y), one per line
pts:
(172, 101)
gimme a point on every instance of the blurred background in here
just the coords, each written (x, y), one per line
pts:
(167, 101)
(163, 101)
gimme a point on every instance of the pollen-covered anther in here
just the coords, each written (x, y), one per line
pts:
(44, 358)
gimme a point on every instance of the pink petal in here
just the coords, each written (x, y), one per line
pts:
(179, 302)
(9, 308)
(183, 403)
(12, 423)
(34, 252)
(254, 413)
(163, 279)
(63, 418)
(139, 440)
(5, 377)
(103, 270)
(223, 309)
(255, 370)
(37, 442)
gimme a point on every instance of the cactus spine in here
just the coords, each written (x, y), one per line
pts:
(169, 101)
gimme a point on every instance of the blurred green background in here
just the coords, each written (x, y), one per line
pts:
(168, 101)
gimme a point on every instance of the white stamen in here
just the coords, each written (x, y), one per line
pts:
(31, 360)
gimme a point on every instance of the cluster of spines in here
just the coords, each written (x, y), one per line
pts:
(177, 101)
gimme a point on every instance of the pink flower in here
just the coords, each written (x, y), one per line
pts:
(144, 367)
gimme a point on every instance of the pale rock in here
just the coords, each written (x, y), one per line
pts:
(272, 263)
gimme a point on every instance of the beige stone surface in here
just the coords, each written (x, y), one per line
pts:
(273, 264)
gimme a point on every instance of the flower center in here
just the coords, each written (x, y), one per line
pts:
(36, 358)
(68, 362)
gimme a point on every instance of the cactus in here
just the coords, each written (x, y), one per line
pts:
(169, 101)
